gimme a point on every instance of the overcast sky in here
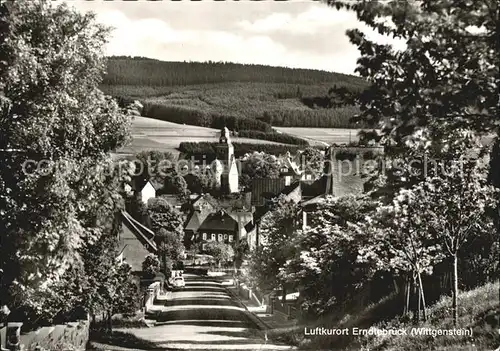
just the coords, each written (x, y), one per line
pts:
(302, 34)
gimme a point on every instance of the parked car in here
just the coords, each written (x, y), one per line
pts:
(178, 283)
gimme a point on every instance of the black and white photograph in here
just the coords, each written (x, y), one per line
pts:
(249, 175)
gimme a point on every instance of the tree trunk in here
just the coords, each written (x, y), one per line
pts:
(419, 307)
(455, 290)
(422, 296)
(164, 263)
(406, 296)
(110, 322)
(415, 300)
(283, 296)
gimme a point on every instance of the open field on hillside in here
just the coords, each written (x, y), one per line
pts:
(151, 134)
(323, 135)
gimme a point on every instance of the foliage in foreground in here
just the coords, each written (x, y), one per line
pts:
(54, 215)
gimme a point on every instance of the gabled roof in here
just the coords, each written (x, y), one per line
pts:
(195, 220)
(156, 184)
(219, 221)
(290, 188)
(292, 166)
(266, 188)
(143, 234)
(138, 183)
(201, 209)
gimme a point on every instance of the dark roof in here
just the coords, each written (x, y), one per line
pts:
(260, 212)
(195, 220)
(156, 184)
(133, 249)
(314, 188)
(219, 221)
(290, 188)
(143, 234)
(201, 209)
(249, 226)
(265, 189)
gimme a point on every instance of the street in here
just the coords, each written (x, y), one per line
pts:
(205, 316)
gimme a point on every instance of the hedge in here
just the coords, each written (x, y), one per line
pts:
(197, 117)
(277, 137)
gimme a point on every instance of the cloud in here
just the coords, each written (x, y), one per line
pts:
(313, 20)
(156, 38)
(272, 22)
(293, 34)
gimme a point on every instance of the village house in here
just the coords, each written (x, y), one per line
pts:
(135, 242)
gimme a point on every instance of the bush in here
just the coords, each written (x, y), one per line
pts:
(314, 118)
(346, 155)
(151, 266)
(197, 117)
(277, 137)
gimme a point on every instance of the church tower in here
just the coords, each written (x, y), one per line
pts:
(225, 154)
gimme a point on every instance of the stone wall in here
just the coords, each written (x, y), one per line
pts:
(71, 336)
(152, 293)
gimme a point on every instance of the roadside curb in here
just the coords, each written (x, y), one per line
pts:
(262, 325)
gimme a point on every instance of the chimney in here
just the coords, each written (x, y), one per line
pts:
(288, 180)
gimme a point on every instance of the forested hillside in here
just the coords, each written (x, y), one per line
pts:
(142, 71)
(248, 97)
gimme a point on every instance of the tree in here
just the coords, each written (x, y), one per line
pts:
(175, 184)
(277, 230)
(259, 165)
(423, 98)
(221, 252)
(409, 88)
(164, 216)
(53, 116)
(399, 241)
(96, 285)
(455, 212)
(313, 161)
(154, 164)
(151, 265)
(167, 224)
(170, 248)
(198, 182)
(323, 266)
(421, 88)
(241, 251)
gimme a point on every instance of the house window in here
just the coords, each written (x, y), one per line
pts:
(220, 237)
(225, 236)
(213, 236)
(230, 238)
(204, 236)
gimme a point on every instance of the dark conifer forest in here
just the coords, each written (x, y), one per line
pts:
(243, 96)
